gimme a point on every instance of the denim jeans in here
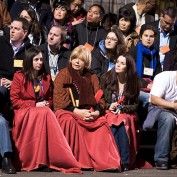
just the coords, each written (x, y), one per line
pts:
(144, 99)
(143, 106)
(122, 142)
(166, 124)
(5, 141)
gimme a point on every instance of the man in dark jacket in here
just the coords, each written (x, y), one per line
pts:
(90, 30)
(166, 39)
(11, 55)
(55, 56)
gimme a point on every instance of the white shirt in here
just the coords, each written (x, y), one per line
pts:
(165, 86)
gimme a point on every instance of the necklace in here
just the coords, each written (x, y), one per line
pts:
(95, 34)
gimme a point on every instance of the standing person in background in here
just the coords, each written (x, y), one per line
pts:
(4, 17)
(121, 90)
(78, 13)
(35, 34)
(90, 32)
(105, 55)
(79, 107)
(144, 10)
(42, 9)
(38, 138)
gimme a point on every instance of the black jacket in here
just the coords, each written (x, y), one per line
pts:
(63, 60)
(84, 33)
(100, 63)
(7, 57)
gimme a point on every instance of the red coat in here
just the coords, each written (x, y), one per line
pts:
(22, 92)
(38, 138)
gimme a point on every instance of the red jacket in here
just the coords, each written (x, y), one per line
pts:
(22, 92)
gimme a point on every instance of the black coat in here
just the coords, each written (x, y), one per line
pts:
(100, 63)
(7, 57)
(63, 59)
(84, 33)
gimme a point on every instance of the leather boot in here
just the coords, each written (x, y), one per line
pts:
(7, 166)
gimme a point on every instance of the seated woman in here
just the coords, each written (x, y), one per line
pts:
(35, 35)
(147, 64)
(126, 22)
(79, 106)
(105, 55)
(61, 12)
(108, 21)
(121, 90)
(39, 140)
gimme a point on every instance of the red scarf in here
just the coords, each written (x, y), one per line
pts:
(84, 84)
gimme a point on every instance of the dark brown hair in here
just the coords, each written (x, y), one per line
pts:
(27, 69)
(109, 81)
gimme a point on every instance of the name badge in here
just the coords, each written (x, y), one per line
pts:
(148, 71)
(18, 63)
(165, 49)
(77, 103)
(90, 47)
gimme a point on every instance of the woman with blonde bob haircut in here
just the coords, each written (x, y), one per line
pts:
(79, 105)
(83, 54)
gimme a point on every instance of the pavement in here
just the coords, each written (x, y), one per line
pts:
(132, 173)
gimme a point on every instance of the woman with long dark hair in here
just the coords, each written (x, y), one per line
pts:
(35, 29)
(121, 90)
(39, 141)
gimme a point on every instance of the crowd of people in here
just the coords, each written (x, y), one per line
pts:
(77, 85)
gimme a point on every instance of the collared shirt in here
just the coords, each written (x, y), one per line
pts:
(140, 20)
(16, 49)
(53, 63)
(164, 41)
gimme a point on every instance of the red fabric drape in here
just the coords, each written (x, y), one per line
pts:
(92, 143)
(39, 141)
(132, 128)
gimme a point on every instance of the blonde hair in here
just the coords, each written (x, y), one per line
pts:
(83, 53)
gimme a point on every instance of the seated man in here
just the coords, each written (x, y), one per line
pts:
(90, 32)
(56, 56)
(162, 112)
(5, 147)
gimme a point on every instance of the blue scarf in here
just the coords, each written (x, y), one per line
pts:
(141, 50)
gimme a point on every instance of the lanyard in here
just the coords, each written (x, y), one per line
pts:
(53, 63)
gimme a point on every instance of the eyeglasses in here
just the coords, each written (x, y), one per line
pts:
(111, 39)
